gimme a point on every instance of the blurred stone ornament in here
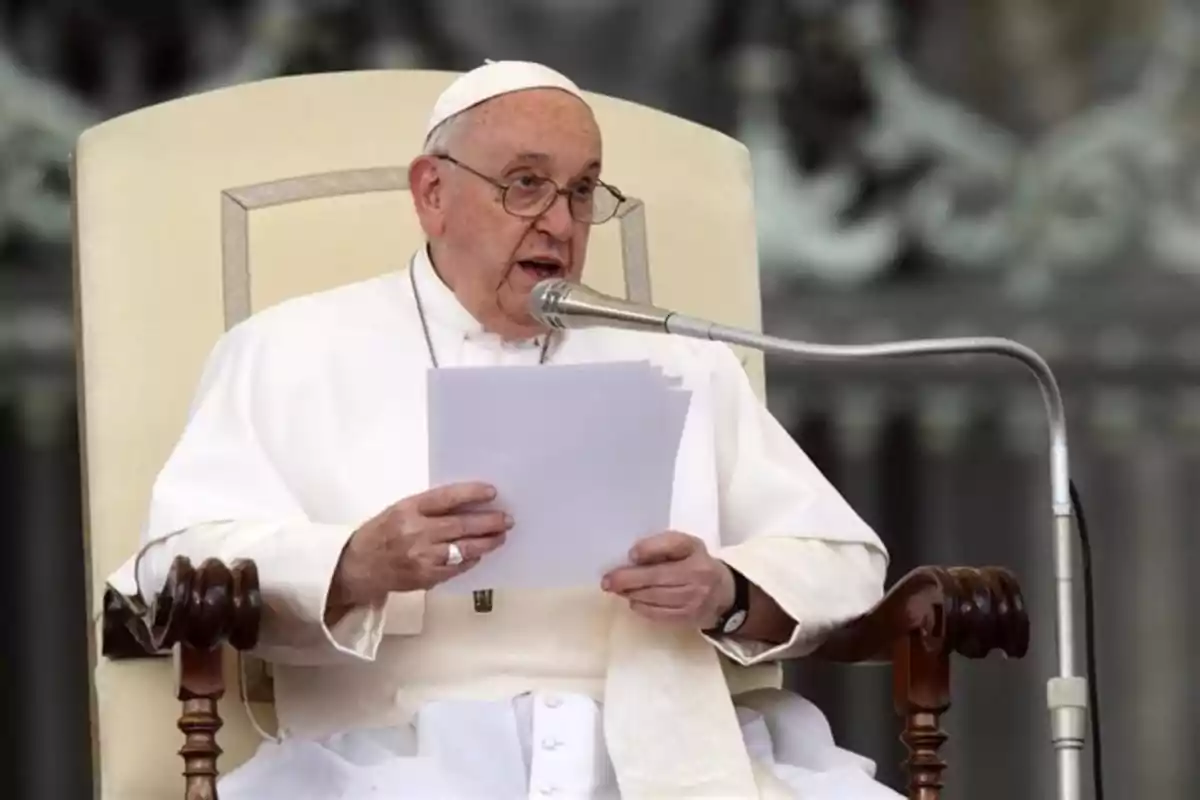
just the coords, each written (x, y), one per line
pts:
(1074, 199)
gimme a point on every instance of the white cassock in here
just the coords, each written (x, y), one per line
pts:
(311, 418)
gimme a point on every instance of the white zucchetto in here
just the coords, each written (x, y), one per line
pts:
(492, 80)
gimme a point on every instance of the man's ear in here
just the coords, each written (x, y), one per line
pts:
(428, 193)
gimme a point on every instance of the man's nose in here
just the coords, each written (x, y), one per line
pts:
(557, 220)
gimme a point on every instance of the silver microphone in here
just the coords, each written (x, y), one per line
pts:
(557, 303)
(561, 304)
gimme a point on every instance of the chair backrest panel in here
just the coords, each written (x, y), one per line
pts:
(194, 213)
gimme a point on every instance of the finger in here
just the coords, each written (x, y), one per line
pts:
(669, 546)
(658, 613)
(471, 549)
(477, 547)
(666, 597)
(433, 571)
(445, 499)
(465, 524)
(628, 579)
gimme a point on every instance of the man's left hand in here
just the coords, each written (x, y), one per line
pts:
(672, 578)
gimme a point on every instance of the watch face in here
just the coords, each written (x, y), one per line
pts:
(735, 621)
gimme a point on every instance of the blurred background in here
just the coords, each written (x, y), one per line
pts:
(1023, 168)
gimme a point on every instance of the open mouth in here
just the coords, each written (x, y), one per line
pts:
(541, 269)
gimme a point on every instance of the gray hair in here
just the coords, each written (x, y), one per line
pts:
(443, 135)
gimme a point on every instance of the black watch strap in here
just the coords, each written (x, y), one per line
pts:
(735, 616)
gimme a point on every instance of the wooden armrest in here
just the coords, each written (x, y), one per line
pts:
(200, 608)
(197, 612)
(931, 614)
(965, 610)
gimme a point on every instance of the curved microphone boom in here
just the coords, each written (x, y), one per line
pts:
(560, 304)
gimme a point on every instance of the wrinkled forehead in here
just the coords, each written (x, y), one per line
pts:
(556, 127)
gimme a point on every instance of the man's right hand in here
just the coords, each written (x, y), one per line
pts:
(405, 547)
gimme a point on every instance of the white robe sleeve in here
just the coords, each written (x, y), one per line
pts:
(223, 494)
(785, 527)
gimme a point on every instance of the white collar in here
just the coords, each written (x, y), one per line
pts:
(440, 304)
(444, 310)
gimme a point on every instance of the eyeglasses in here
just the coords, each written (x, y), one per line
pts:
(530, 196)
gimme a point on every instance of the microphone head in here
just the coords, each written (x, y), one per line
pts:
(546, 298)
(558, 303)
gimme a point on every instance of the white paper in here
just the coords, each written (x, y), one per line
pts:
(582, 456)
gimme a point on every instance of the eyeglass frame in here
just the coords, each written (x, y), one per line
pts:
(558, 191)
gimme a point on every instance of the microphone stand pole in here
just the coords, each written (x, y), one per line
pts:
(1066, 693)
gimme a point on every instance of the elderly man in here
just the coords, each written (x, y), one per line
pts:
(306, 451)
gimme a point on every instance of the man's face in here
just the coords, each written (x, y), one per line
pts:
(489, 257)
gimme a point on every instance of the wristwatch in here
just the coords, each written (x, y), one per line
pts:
(735, 616)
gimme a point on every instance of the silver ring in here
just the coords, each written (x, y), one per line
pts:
(454, 555)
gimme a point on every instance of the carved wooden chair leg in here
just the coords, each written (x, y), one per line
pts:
(201, 686)
(198, 612)
(930, 616)
(921, 693)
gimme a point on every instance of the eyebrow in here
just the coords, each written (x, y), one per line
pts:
(531, 156)
(542, 159)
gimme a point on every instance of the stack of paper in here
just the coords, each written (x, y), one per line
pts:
(582, 456)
